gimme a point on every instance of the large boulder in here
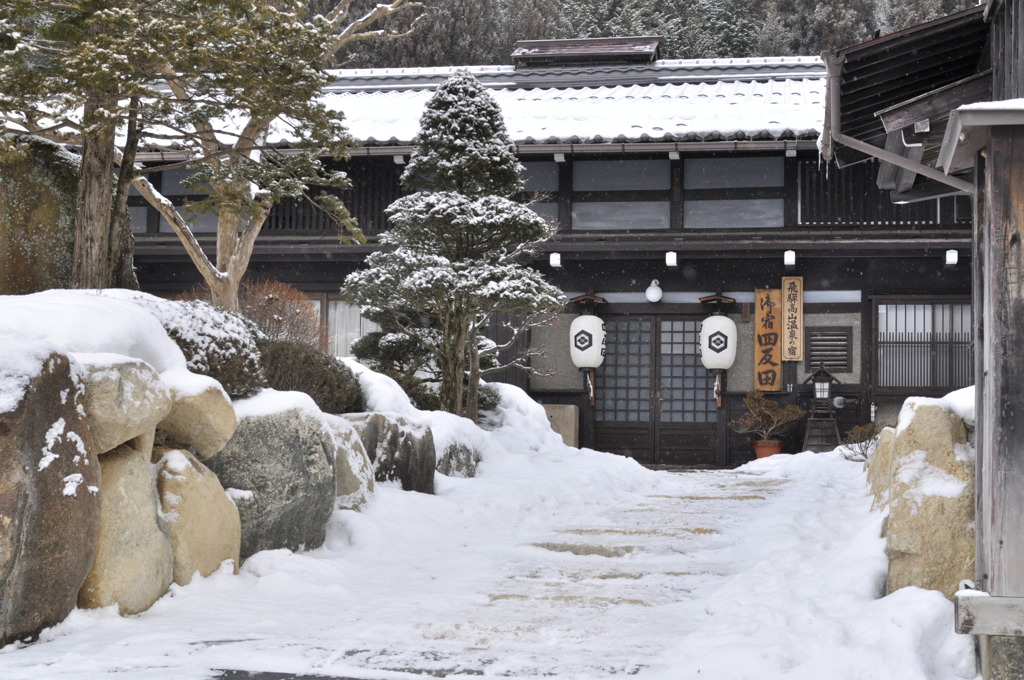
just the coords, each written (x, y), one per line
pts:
(929, 530)
(202, 421)
(202, 522)
(279, 469)
(124, 398)
(354, 471)
(37, 218)
(399, 449)
(458, 460)
(134, 564)
(49, 483)
(880, 467)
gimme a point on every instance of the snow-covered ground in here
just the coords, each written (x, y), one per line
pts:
(553, 562)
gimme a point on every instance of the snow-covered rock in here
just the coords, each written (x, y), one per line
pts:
(923, 473)
(124, 398)
(399, 448)
(354, 470)
(134, 562)
(281, 464)
(201, 520)
(202, 421)
(49, 483)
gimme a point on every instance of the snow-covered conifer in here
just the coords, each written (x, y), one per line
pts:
(453, 258)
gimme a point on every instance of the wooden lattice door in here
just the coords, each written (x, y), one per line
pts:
(655, 400)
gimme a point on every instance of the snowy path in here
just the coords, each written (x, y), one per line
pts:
(589, 598)
(556, 564)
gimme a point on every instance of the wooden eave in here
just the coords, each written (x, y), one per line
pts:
(938, 102)
(879, 90)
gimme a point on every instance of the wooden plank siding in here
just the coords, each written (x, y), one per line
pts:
(1007, 50)
(851, 198)
(375, 184)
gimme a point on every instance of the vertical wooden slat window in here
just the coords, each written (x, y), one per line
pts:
(926, 345)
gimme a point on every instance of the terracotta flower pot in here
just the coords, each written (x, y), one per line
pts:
(770, 447)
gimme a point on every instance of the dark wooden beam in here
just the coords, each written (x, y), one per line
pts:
(905, 178)
(1000, 552)
(923, 191)
(938, 102)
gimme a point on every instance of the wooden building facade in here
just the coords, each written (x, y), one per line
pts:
(700, 175)
(955, 88)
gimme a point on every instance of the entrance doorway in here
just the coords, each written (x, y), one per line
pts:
(655, 400)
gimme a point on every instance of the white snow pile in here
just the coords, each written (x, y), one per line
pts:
(552, 562)
(109, 322)
(960, 402)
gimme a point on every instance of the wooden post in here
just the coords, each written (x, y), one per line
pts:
(1000, 400)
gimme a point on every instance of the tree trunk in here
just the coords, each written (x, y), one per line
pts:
(452, 362)
(225, 293)
(94, 204)
(473, 387)
(122, 251)
(122, 243)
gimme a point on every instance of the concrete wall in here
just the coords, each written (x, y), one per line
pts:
(741, 375)
(565, 420)
(555, 370)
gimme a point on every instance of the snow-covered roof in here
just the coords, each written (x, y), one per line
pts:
(688, 100)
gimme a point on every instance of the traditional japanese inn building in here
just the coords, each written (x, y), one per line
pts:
(671, 181)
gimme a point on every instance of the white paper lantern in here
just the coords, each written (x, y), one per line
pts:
(586, 341)
(718, 343)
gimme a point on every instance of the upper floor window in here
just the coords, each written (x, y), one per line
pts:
(734, 192)
(621, 195)
(540, 182)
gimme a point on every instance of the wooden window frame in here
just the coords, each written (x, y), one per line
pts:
(876, 346)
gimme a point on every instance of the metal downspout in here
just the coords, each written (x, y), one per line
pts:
(835, 132)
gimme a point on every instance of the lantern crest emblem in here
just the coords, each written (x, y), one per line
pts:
(718, 342)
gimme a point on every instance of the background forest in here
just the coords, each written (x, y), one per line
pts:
(463, 32)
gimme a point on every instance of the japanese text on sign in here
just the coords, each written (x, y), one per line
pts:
(792, 318)
(768, 333)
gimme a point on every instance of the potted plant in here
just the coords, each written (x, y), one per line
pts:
(768, 420)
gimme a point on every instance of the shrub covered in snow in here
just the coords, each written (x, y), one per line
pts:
(280, 311)
(215, 342)
(295, 366)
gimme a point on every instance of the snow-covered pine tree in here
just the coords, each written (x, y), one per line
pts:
(453, 258)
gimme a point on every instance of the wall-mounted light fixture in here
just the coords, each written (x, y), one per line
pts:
(555, 260)
(671, 259)
(399, 159)
(952, 258)
(789, 259)
(673, 155)
(559, 157)
(653, 292)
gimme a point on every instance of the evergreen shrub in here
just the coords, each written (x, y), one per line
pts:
(295, 366)
(216, 343)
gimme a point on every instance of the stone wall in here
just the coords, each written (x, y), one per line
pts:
(113, 486)
(922, 474)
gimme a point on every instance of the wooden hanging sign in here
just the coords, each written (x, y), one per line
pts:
(792, 318)
(768, 325)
